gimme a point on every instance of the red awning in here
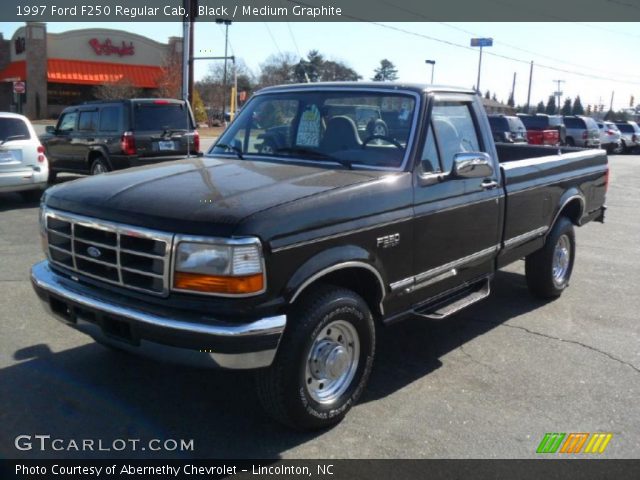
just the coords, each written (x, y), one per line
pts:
(98, 73)
(14, 71)
(80, 72)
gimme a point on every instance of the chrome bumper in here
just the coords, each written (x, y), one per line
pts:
(160, 333)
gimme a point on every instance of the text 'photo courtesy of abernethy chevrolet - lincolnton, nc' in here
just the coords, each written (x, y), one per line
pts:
(322, 214)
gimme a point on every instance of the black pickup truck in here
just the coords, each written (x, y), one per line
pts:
(293, 261)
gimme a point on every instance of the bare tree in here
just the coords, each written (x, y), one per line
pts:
(116, 90)
(278, 69)
(170, 81)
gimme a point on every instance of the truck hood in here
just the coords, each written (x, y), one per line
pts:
(199, 196)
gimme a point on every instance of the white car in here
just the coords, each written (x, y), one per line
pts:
(610, 137)
(23, 164)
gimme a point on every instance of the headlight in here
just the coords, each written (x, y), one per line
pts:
(43, 230)
(232, 267)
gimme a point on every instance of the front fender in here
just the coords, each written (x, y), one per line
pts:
(331, 260)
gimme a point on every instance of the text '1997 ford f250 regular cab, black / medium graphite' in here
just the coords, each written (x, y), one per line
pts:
(306, 229)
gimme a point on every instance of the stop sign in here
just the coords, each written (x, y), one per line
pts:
(19, 87)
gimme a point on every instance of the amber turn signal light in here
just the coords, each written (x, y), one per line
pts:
(219, 284)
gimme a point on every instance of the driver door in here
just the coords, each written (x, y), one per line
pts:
(456, 220)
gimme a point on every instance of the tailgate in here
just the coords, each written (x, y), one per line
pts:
(12, 158)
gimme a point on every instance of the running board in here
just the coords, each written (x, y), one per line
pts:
(456, 302)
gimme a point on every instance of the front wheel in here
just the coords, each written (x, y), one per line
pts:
(548, 270)
(323, 361)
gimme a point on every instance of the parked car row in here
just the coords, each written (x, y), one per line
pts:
(570, 130)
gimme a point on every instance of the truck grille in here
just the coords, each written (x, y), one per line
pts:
(131, 257)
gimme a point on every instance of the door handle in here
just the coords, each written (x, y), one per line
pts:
(489, 184)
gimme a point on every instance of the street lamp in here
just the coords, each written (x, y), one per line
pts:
(433, 65)
(226, 23)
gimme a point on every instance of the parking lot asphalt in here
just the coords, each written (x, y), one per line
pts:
(487, 383)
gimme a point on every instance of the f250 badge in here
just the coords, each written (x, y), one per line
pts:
(388, 241)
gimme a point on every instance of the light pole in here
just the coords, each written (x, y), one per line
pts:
(433, 65)
(558, 94)
(226, 23)
(480, 42)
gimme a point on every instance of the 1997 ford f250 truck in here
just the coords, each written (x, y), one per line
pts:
(292, 259)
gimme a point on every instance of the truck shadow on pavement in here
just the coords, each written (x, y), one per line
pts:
(89, 392)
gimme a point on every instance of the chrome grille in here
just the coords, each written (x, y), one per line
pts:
(131, 257)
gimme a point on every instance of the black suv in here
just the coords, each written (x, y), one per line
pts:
(96, 137)
(507, 129)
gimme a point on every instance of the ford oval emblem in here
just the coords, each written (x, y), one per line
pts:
(94, 252)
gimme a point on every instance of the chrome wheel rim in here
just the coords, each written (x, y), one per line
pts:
(379, 130)
(561, 260)
(99, 168)
(332, 361)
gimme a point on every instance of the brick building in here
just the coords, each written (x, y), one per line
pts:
(62, 69)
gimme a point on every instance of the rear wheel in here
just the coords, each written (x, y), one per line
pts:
(323, 361)
(99, 166)
(570, 142)
(549, 269)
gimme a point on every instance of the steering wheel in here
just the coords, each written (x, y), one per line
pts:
(392, 141)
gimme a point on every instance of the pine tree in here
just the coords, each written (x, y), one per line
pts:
(550, 109)
(566, 108)
(540, 108)
(487, 95)
(577, 107)
(386, 72)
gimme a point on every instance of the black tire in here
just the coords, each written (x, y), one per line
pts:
(624, 149)
(285, 388)
(570, 142)
(99, 165)
(31, 195)
(542, 279)
(52, 176)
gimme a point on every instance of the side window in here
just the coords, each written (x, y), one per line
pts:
(109, 119)
(455, 131)
(68, 122)
(430, 158)
(88, 121)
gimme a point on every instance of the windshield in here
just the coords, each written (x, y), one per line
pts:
(13, 129)
(161, 116)
(362, 128)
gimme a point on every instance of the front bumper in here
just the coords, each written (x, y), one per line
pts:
(177, 335)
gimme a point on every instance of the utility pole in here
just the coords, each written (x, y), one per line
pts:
(513, 89)
(433, 65)
(529, 93)
(226, 23)
(611, 103)
(186, 37)
(558, 93)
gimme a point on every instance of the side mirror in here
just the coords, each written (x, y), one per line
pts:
(472, 165)
(50, 129)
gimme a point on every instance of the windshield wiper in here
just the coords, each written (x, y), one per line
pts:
(315, 154)
(236, 149)
(11, 138)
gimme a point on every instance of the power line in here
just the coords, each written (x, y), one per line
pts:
(273, 38)
(295, 44)
(498, 55)
(418, 14)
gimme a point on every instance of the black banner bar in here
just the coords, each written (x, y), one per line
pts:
(321, 10)
(321, 469)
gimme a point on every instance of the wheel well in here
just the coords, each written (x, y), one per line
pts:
(359, 280)
(92, 156)
(572, 210)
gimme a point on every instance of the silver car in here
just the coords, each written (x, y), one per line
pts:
(630, 135)
(582, 131)
(610, 137)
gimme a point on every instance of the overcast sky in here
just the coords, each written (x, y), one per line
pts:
(593, 59)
